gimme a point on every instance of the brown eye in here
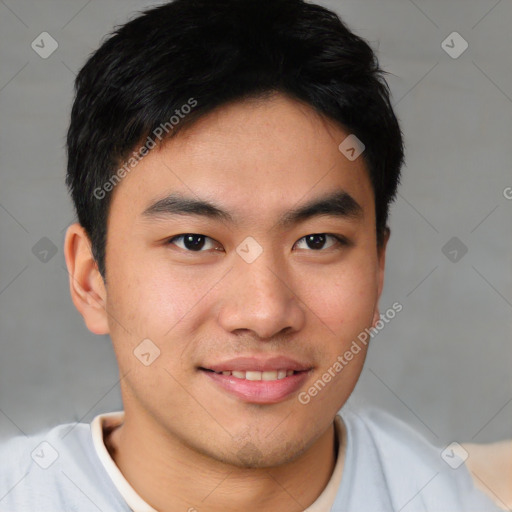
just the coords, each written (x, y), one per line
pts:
(193, 242)
(317, 241)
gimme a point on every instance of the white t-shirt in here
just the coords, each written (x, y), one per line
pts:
(388, 467)
(322, 504)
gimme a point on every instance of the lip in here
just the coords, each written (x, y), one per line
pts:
(258, 391)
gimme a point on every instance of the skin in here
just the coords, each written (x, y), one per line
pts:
(185, 442)
(490, 465)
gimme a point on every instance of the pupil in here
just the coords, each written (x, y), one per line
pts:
(315, 241)
(194, 242)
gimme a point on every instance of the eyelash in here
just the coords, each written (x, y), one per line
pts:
(340, 241)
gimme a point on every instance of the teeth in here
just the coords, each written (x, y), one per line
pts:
(256, 375)
(253, 375)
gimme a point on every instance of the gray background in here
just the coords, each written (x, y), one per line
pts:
(443, 364)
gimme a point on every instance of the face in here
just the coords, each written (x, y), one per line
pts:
(250, 281)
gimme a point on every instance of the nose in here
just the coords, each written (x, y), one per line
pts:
(260, 298)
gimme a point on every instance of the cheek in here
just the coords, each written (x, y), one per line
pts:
(355, 301)
(343, 299)
(345, 305)
(150, 297)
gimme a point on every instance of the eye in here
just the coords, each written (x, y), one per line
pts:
(317, 241)
(193, 242)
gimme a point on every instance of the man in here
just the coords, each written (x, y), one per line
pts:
(232, 163)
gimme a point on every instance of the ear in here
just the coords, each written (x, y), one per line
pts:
(381, 255)
(86, 285)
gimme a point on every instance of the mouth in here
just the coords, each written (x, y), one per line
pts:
(257, 382)
(255, 375)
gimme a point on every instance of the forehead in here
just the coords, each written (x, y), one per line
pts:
(255, 156)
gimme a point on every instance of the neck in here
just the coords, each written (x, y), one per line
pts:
(170, 476)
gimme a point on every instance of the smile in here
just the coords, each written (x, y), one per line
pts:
(257, 387)
(255, 375)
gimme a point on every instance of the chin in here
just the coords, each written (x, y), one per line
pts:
(248, 455)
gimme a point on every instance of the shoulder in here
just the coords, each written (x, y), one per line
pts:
(490, 466)
(414, 473)
(55, 469)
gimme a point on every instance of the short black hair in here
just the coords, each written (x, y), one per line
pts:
(192, 56)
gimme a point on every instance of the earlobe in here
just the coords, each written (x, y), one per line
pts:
(376, 316)
(86, 284)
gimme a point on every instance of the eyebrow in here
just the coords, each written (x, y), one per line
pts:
(338, 204)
